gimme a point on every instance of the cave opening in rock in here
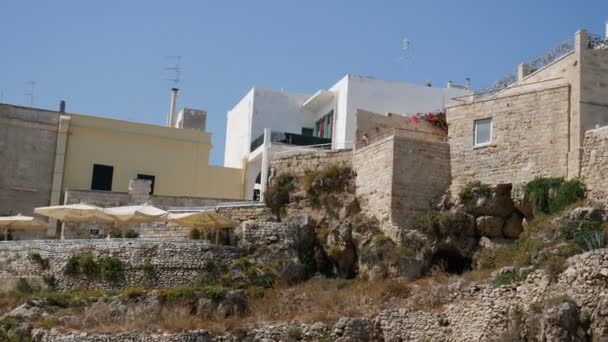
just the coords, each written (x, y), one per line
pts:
(451, 261)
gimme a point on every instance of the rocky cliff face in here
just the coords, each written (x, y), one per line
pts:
(572, 308)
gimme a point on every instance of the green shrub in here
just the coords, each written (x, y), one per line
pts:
(49, 280)
(110, 267)
(148, 267)
(551, 195)
(88, 265)
(276, 196)
(115, 233)
(504, 278)
(474, 189)
(334, 178)
(215, 292)
(195, 234)
(37, 259)
(131, 234)
(586, 236)
(24, 286)
(429, 224)
(134, 292)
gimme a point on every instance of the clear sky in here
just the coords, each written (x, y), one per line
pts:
(107, 57)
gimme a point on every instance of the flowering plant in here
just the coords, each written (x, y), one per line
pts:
(435, 119)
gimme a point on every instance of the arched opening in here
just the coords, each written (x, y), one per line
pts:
(451, 261)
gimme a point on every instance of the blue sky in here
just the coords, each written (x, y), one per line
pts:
(107, 57)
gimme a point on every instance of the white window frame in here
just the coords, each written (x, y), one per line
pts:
(475, 123)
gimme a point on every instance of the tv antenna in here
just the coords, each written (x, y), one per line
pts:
(31, 91)
(174, 70)
(406, 49)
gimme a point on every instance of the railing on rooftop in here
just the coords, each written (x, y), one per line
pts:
(289, 138)
(547, 58)
(347, 145)
(597, 42)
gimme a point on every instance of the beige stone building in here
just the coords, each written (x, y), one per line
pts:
(535, 126)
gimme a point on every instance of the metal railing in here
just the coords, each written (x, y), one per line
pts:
(290, 139)
(597, 42)
(535, 64)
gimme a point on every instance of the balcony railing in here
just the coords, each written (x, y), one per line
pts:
(289, 138)
(548, 57)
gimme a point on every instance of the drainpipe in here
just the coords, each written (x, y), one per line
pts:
(265, 162)
(59, 165)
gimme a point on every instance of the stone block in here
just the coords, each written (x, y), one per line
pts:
(490, 226)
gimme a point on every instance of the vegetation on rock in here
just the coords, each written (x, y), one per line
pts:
(551, 195)
(276, 196)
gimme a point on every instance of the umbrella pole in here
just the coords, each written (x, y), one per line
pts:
(62, 230)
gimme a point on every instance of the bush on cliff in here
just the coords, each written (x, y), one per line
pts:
(552, 195)
(334, 178)
(473, 190)
(276, 196)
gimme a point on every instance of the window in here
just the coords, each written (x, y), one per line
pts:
(483, 132)
(150, 178)
(308, 132)
(324, 126)
(102, 177)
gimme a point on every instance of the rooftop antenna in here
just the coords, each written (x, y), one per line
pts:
(174, 70)
(30, 95)
(406, 49)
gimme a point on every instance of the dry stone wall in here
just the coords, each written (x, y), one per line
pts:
(145, 262)
(529, 138)
(466, 312)
(299, 163)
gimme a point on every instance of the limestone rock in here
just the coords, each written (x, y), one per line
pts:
(498, 203)
(233, 304)
(513, 226)
(520, 201)
(490, 226)
(559, 322)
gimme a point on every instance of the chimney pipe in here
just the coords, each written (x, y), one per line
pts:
(173, 105)
(62, 106)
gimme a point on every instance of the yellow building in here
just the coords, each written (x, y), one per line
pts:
(105, 154)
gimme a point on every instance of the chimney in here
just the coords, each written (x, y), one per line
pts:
(171, 115)
(450, 83)
(62, 106)
(606, 34)
(467, 83)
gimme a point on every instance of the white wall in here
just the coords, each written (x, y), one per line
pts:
(280, 111)
(381, 96)
(237, 131)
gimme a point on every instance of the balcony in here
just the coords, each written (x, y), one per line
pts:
(290, 139)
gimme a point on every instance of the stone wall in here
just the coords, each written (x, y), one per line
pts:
(421, 175)
(28, 139)
(172, 263)
(594, 170)
(373, 164)
(115, 199)
(529, 138)
(375, 124)
(400, 178)
(298, 163)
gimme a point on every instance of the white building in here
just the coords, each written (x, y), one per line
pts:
(328, 115)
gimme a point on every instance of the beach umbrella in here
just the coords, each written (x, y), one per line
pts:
(136, 213)
(80, 212)
(202, 219)
(205, 219)
(21, 222)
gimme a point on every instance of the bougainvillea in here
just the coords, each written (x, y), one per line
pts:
(436, 119)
